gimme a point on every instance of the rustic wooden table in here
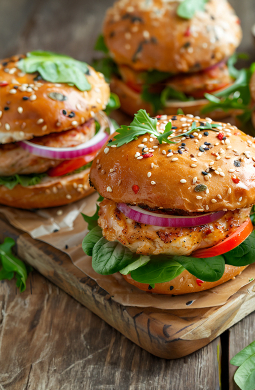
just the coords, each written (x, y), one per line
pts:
(48, 341)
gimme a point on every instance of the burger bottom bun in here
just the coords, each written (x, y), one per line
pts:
(51, 192)
(186, 283)
(131, 102)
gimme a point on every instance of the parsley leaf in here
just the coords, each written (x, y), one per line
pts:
(188, 8)
(11, 266)
(56, 68)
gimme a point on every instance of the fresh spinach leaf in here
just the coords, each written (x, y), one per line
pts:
(109, 257)
(11, 265)
(91, 221)
(159, 270)
(56, 68)
(91, 239)
(100, 45)
(208, 270)
(188, 8)
(245, 374)
(143, 260)
(113, 103)
(243, 254)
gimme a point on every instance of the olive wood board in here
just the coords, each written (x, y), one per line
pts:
(169, 334)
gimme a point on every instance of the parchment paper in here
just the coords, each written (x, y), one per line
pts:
(64, 228)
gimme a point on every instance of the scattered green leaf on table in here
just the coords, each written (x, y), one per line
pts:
(245, 374)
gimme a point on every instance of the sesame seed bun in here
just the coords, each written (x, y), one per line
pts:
(131, 101)
(172, 180)
(186, 283)
(51, 192)
(41, 114)
(150, 35)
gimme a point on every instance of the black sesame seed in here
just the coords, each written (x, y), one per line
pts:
(4, 63)
(174, 118)
(186, 45)
(206, 148)
(179, 151)
(202, 123)
(170, 150)
(6, 108)
(110, 140)
(201, 149)
(183, 144)
(55, 230)
(204, 173)
(189, 303)
(15, 87)
(207, 143)
(71, 115)
(112, 34)
(237, 163)
(64, 112)
(206, 133)
(37, 78)
(150, 288)
(25, 98)
(171, 288)
(191, 136)
(174, 127)
(224, 138)
(66, 247)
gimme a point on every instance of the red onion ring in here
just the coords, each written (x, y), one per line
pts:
(91, 146)
(149, 218)
(223, 62)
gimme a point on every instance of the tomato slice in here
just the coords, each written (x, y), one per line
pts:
(68, 166)
(228, 244)
(134, 86)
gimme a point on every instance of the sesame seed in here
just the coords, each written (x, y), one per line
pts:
(145, 150)
(207, 207)
(207, 191)
(7, 126)
(219, 196)
(1, 114)
(218, 157)
(199, 197)
(146, 34)
(145, 140)
(139, 158)
(54, 190)
(222, 174)
(155, 147)
(13, 91)
(193, 165)
(214, 201)
(183, 119)
(141, 146)
(229, 190)
(106, 150)
(231, 170)
(199, 154)
(174, 159)
(40, 121)
(191, 116)
(152, 165)
(109, 189)
(163, 152)
(68, 196)
(153, 183)
(44, 128)
(74, 123)
(20, 110)
(137, 154)
(149, 174)
(33, 97)
(211, 163)
(151, 139)
(183, 181)
(59, 212)
(240, 199)
(169, 154)
(194, 180)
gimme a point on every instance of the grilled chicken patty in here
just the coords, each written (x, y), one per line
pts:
(16, 160)
(153, 240)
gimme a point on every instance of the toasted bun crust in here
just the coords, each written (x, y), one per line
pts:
(40, 114)
(186, 283)
(51, 192)
(171, 183)
(131, 102)
(150, 35)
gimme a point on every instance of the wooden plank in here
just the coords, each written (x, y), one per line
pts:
(48, 342)
(240, 335)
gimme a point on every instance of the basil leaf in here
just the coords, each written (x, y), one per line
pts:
(159, 270)
(243, 254)
(113, 103)
(153, 98)
(56, 68)
(170, 93)
(12, 265)
(24, 180)
(208, 270)
(100, 45)
(143, 260)
(91, 239)
(109, 257)
(188, 8)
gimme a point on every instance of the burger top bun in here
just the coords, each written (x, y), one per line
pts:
(210, 171)
(31, 108)
(150, 35)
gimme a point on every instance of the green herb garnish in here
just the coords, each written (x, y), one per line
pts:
(11, 266)
(56, 68)
(113, 103)
(24, 180)
(169, 93)
(143, 124)
(245, 374)
(100, 45)
(188, 8)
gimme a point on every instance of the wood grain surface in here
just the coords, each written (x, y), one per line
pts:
(48, 340)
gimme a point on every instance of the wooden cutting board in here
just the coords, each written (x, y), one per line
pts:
(168, 334)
